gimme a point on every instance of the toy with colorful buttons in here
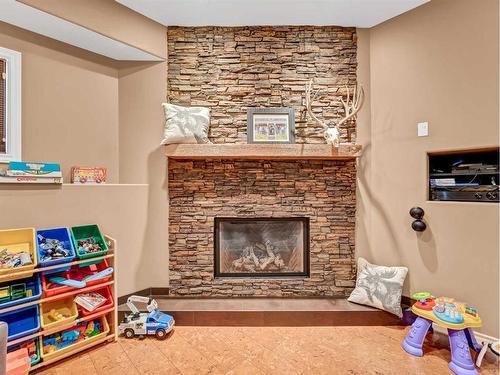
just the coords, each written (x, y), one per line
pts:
(445, 311)
(457, 317)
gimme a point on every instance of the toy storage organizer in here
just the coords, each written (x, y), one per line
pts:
(37, 309)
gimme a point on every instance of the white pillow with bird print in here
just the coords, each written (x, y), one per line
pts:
(379, 286)
(185, 124)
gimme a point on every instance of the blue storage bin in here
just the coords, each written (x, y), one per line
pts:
(22, 322)
(61, 234)
(33, 283)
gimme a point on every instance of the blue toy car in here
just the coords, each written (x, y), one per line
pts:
(152, 323)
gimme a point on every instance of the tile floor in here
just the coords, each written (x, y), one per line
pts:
(266, 350)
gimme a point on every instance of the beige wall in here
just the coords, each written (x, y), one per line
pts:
(69, 103)
(142, 160)
(71, 115)
(111, 19)
(363, 137)
(437, 63)
(120, 210)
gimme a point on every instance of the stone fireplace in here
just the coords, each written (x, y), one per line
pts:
(229, 69)
(204, 193)
(261, 247)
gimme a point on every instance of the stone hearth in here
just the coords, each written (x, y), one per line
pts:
(201, 190)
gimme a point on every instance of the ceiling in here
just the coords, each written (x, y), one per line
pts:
(358, 13)
(26, 17)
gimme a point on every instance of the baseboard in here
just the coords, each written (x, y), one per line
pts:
(160, 291)
(144, 292)
(480, 337)
(407, 301)
(148, 292)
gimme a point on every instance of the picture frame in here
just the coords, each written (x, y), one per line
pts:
(271, 125)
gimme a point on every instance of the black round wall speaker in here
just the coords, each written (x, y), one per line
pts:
(418, 225)
(417, 213)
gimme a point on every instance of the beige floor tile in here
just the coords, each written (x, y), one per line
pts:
(245, 368)
(185, 356)
(146, 356)
(112, 359)
(268, 350)
(78, 365)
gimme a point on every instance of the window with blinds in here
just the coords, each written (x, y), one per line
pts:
(3, 70)
(10, 105)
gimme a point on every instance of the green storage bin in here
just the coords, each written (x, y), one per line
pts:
(86, 232)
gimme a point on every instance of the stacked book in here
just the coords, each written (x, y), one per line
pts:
(90, 301)
(31, 173)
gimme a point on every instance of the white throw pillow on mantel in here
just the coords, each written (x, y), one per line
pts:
(379, 286)
(185, 124)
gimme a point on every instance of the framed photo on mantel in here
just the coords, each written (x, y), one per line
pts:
(271, 125)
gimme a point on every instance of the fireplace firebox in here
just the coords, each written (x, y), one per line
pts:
(261, 247)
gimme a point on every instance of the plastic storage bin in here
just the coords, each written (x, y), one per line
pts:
(63, 308)
(106, 293)
(18, 362)
(16, 241)
(22, 322)
(86, 232)
(75, 273)
(32, 291)
(46, 355)
(62, 235)
(33, 347)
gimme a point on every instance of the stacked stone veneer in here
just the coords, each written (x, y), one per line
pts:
(199, 191)
(231, 69)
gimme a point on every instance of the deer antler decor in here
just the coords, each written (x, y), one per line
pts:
(351, 107)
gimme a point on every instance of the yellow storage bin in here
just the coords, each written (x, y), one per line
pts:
(17, 253)
(78, 345)
(58, 313)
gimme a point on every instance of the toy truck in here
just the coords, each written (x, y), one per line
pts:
(153, 322)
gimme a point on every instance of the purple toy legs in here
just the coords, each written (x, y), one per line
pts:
(415, 338)
(471, 340)
(461, 360)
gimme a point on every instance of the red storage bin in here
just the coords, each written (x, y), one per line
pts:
(106, 293)
(75, 273)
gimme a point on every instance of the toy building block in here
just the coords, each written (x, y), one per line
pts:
(55, 315)
(4, 294)
(71, 335)
(18, 291)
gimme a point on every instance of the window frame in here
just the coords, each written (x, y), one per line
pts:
(12, 105)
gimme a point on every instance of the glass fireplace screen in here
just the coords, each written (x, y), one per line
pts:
(261, 247)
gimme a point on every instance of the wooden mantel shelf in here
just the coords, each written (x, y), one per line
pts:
(262, 151)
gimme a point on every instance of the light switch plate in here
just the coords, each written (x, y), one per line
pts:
(423, 129)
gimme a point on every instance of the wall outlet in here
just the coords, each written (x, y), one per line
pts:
(423, 129)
